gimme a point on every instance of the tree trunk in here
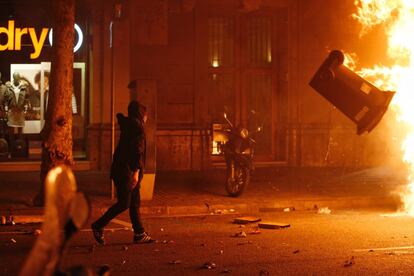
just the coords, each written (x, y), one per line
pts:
(57, 132)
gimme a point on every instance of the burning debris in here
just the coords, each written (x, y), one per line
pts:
(357, 98)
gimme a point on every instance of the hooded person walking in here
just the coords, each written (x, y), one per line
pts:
(127, 171)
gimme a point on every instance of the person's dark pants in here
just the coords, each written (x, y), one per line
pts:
(126, 198)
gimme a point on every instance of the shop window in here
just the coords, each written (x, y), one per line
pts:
(23, 105)
(259, 44)
(221, 41)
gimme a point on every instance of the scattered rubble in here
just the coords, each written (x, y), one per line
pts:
(222, 211)
(174, 262)
(349, 262)
(273, 225)
(246, 220)
(209, 265)
(164, 241)
(255, 231)
(324, 210)
(240, 234)
(243, 243)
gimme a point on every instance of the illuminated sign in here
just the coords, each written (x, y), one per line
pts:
(80, 37)
(14, 38)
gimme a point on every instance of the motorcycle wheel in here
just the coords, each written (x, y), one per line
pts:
(237, 184)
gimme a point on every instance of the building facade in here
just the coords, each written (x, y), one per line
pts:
(194, 59)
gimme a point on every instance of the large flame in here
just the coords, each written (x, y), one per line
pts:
(397, 17)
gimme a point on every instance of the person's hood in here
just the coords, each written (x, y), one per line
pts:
(136, 110)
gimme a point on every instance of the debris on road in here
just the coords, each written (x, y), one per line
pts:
(350, 262)
(13, 240)
(222, 211)
(240, 234)
(296, 251)
(255, 231)
(243, 243)
(209, 265)
(324, 210)
(286, 210)
(225, 271)
(123, 262)
(273, 225)
(125, 248)
(246, 220)
(174, 262)
(37, 232)
(165, 241)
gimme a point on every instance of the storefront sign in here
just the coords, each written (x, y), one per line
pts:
(14, 38)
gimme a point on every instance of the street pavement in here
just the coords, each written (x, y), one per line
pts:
(339, 243)
(192, 193)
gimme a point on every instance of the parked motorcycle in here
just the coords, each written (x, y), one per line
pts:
(237, 146)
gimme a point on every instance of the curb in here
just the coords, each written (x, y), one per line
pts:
(356, 203)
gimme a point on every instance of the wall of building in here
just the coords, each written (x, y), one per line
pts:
(159, 41)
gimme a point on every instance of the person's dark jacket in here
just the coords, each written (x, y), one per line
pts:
(129, 155)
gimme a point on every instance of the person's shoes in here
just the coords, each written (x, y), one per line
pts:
(143, 238)
(98, 234)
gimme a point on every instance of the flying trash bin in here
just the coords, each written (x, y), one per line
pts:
(358, 99)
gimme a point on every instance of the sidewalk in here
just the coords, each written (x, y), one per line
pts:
(186, 193)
